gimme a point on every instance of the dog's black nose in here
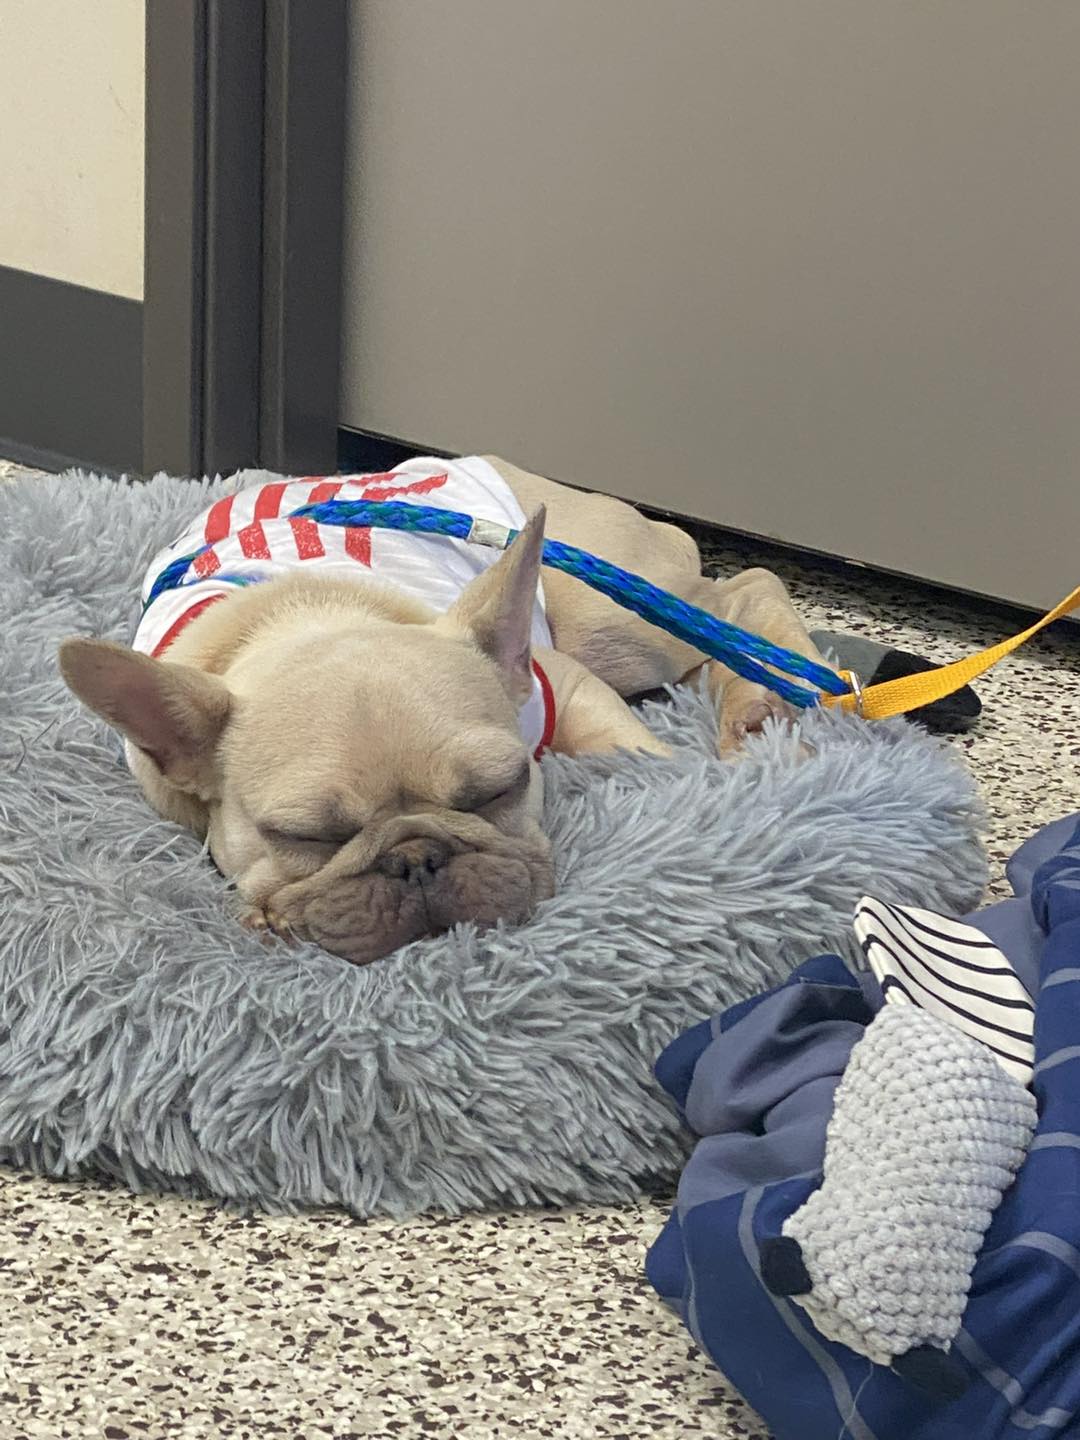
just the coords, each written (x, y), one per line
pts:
(414, 860)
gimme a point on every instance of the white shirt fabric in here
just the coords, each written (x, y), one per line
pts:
(253, 537)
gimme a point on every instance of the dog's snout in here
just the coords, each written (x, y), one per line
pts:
(414, 860)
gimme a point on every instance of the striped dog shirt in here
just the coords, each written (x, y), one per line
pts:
(252, 537)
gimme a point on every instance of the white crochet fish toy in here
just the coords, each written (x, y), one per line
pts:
(932, 1120)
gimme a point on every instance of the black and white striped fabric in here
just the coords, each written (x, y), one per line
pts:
(952, 971)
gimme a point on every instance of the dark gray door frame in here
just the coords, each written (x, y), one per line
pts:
(303, 197)
(244, 161)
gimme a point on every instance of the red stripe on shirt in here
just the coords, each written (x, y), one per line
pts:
(415, 487)
(182, 622)
(309, 546)
(253, 542)
(205, 564)
(549, 710)
(358, 545)
(377, 476)
(268, 501)
(325, 491)
(217, 521)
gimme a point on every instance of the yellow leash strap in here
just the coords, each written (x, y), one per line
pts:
(911, 692)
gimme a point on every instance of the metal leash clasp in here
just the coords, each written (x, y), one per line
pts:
(853, 680)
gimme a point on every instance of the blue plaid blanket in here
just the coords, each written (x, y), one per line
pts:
(756, 1086)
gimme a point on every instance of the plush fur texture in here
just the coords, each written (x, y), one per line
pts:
(145, 1035)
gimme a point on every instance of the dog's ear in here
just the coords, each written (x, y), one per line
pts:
(496, 609)
(174, 713)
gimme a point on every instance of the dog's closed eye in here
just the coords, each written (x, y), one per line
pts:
(330, 839)
(480, 797)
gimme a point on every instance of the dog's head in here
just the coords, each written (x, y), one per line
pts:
(364, 781)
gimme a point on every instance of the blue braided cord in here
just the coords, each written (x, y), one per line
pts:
(740, 650)
(172, 577)
(388, 515)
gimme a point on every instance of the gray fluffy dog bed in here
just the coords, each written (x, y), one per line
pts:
(145, 1035)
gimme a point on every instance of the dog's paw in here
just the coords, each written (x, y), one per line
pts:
(267, 924)
(745, 710)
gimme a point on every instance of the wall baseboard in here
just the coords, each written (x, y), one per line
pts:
(33, 457)
(70, 373)
(362, 451)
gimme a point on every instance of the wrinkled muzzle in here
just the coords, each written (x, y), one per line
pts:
(413, 878)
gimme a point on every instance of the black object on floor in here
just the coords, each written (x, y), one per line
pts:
(950, 716)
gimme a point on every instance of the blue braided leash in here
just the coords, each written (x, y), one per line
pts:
(740, 650)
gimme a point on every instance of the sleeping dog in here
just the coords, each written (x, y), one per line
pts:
(356, 736)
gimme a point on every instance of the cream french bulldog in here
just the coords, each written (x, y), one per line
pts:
(357, 740)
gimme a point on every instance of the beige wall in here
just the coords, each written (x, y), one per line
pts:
(71, 141)
(809, 268)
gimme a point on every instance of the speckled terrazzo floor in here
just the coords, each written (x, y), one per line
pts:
(156, 1317)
